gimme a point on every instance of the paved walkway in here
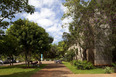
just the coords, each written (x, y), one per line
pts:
(59, 70)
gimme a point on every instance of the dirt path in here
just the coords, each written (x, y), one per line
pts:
(59, 70)
(53, 70)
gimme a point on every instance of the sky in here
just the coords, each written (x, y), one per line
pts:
(48, 14)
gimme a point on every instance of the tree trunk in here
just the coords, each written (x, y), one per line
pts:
(90, 55)
(12, 60)
(84, 55)
(26, 60)
(10, 63)
(28, 64)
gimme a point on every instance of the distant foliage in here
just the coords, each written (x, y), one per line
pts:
(69, 55)
(84, 65)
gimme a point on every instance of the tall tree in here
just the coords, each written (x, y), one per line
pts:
(31, 37)
(8, 9)
(87, 20)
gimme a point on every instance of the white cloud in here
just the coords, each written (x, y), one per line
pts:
(45, 22)
(47, 17)
(42, 3)
(46, 13)
(63, 8)
(32, 17)
(48, 2)
(36, 3)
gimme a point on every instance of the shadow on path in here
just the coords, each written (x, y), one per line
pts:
(53, 70)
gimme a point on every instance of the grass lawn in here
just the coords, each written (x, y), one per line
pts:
(18, 71)
(76, 71)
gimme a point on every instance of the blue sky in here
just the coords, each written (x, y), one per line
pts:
(48, 15)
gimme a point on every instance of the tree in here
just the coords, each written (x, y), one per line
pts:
(52, 52)
(80, 30)
(8, 46)
(62, 48)
(69, 55)
(8, 9)
(87, 20)
(31, 37)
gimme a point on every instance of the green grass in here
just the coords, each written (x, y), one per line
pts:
(18, 71)
(76, 71)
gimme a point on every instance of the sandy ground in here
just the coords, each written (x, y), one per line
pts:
(59, 70)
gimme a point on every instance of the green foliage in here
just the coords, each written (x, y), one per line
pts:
(52, 53)
(84, 65)
(62, 47)
(108, 70)
(85, 27)
(8, 9)
(8, 45)
(114, 64)
(56, 51)
(77, 71)
(80, 29)
(74, 62)
(69, 55)
(1, 32)
(32, 39)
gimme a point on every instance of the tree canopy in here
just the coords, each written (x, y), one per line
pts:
(8, 9)
(8, 46)
(87, 20)
(31, 37)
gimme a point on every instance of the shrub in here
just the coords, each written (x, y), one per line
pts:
(108, 70)
(83, 65)
(114, 64)
(73, 62)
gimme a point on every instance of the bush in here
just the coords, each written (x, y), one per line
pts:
(108, 70)
(73, 62)
(114, 64)
(84, 65)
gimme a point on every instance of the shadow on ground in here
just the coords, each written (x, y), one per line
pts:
(21, 74)
(52, 66)
(54, 73)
